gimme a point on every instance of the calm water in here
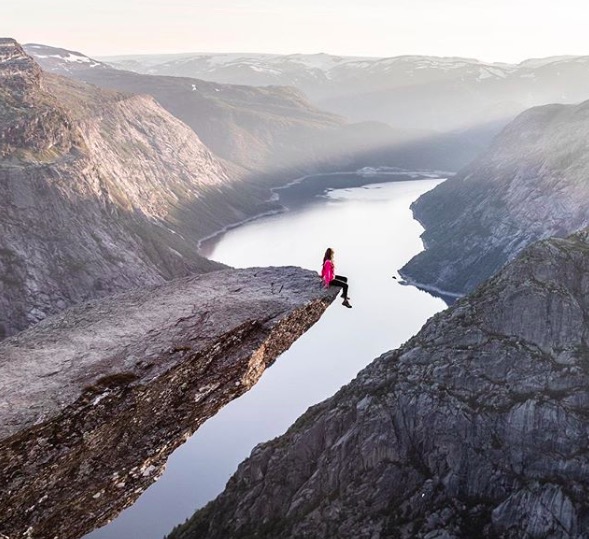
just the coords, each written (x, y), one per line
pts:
(373, 234)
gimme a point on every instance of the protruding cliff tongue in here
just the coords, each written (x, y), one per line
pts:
(94, 400)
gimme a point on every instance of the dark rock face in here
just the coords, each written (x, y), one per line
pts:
(95, 399)
(477, 427)
(530, 185)
(99, 192)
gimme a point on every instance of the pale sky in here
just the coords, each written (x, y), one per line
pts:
(491, 30)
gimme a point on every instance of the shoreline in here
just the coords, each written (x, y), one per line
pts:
(415, 175)
(434, 290)
(373, 172)
(231, 226)
(430, 289)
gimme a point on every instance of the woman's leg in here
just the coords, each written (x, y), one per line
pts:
(343, 279)
(342, 284)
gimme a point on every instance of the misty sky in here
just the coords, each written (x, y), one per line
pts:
(493, 30)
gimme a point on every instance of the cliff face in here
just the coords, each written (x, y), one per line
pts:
(530, 185)
(99, 192)
(92, 401)
(477, 427)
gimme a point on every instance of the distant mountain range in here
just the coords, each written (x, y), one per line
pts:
(275, 128)
(415, 92)
(241, 124)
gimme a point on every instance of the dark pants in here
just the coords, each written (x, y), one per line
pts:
(340, 280)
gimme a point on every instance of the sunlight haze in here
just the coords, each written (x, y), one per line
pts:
(507, 31)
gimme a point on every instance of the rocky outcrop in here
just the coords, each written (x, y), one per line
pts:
(99, 192)
(31, 126)
(476, 427)
(530, 185)
(19, 73)
(92, 401)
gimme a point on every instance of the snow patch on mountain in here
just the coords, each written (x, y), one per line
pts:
(63, 57)
(70, 58)
(325, 62)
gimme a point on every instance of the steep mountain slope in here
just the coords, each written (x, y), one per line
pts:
(422, 92)
(531, 184)
(256, 128)
(273, 130)
(476, 427)
(99, 192)
(96, 398)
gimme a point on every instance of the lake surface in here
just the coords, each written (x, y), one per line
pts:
(373, 234)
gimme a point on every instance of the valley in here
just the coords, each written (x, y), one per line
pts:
(170, 362)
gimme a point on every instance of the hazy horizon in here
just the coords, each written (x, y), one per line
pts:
(245, 53)
(505, 31)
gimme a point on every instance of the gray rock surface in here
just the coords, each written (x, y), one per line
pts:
(93, 400)
(99, 192)
(476, 427)
(530, 185)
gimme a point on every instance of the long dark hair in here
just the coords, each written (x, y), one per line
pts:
(328, 254)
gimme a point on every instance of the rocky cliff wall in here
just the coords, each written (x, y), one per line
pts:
(99, 192)
(477, 427)
(92, 401)
(531, 184)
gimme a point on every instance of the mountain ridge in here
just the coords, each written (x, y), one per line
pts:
(529, 185)
(409, 91)
(275, 132)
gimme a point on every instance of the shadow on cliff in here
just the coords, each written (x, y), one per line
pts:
(59, 248)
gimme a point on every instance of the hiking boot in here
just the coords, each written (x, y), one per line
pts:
(346, 303)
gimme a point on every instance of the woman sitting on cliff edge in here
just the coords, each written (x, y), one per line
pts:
(331, 279)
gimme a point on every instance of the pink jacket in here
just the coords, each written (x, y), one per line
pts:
(328, 272)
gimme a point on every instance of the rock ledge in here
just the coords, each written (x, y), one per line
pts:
(95, 399)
